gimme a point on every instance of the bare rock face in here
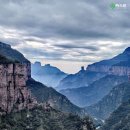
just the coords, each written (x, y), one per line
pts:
(99, 68)
(114, 70)
(118, 65)
(120, 70)
(14, 95)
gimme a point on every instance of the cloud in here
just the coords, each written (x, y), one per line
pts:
(65, 30)
(73, 46)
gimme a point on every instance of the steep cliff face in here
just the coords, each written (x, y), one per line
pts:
(119, 65)
(14, 95)
(9, 55)
(120, 70)
(99, 68)
(17, 101)
(15, 74)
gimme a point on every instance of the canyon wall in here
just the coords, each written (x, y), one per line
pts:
(99, 68)
(14, 94)
(114, 70)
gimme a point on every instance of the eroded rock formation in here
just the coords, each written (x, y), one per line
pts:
(14, 95)
(114, 70)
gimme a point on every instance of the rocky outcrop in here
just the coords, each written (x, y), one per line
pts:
(114, 70)
(15, 76)
(120, 70)
(99, 68)
(3, 45)
(23, 110)
(119, 65)
(14, 95)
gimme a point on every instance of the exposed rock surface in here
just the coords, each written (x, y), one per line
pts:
(15, 70)
(14, 93)
(15, 75)
(119, 65)
(17, 109)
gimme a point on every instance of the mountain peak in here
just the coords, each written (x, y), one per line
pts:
(12, 54)
(47, 65)
(37, 63)
(3, 45)
(127, 50)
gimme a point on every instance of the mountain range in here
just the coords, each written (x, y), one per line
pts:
(118, 65)
(103, 89)
(47, 74)
(28, 104)
(112, 72)
(94, 92)
(56, 100)
(85, 78)
(40, 91)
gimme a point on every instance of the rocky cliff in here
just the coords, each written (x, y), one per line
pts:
(15, 75)
(119, 65)
(14, 95)
(17, 104)
(15, 70)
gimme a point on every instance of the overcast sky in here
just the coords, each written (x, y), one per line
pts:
(65, 33)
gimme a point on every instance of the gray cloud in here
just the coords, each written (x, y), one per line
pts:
(73, 30)
(74, 46)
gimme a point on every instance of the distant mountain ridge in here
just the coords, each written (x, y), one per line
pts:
(119, 65)
(47, 74)
(116, 66)
(85, 78)
(50, 96)
(94, 92)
